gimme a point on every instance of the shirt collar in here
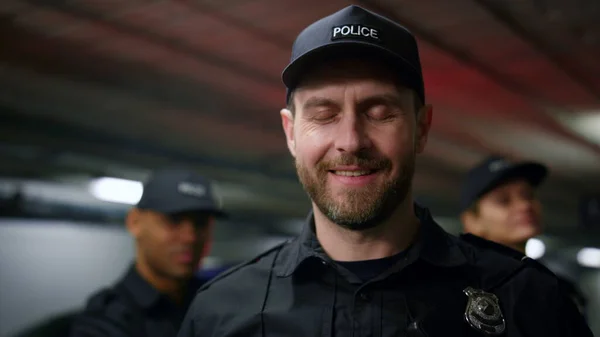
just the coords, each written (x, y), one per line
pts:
(143, 292)
(437, 247)
(145, 295)
(433, 245)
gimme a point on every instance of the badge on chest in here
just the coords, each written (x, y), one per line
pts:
(483, 312)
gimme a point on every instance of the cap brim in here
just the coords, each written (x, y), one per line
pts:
(193, 207)
(534, 173)
(293, 73)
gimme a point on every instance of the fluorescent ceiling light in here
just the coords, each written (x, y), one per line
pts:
(117, 190)
(589, 257)
(586, 124)
(535, 248)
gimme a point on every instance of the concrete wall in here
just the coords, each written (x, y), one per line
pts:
(49, 268)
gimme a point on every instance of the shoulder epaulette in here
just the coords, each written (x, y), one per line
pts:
(507, 251)
(242, 265)
(487, 244)
(100, 300)
(537, 265)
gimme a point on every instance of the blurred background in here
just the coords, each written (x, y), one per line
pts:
(94, 94)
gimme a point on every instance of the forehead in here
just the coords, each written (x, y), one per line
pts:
(336, 76)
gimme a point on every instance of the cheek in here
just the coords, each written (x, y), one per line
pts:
(311, 148)
(496, 219)
(502, 217)
(202, 235)
(537, 208)
(394, 144)
(159, 237)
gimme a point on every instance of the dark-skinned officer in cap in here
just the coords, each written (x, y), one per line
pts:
(499, 203)
(369, 261)
(172, 227)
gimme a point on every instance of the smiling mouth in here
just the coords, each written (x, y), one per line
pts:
(353, 173)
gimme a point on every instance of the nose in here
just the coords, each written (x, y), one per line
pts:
(351, 134)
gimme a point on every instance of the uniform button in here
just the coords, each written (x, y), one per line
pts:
(364, 296)
(324, 262)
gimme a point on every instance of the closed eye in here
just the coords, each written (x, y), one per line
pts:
(380, 112)
(382, 107)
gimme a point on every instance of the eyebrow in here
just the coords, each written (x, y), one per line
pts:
(317, 101)
(390, 99)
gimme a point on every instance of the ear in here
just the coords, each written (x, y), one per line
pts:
(470, 224)
(424, 118)
(287, 121)
(133, 222)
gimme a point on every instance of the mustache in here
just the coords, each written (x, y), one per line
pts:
(361, 159)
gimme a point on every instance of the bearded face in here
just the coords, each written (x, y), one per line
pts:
(332, 186)
(354, 134)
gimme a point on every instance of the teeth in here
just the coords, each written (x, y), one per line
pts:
(351, 173)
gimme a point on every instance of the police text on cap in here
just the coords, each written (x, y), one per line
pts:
(198, 191)
(498, 165)
(350, 31)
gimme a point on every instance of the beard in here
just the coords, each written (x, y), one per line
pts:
(358, 208)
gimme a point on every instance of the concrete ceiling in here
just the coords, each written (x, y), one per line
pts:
(120, 87)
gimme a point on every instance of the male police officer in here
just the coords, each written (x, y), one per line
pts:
(172, 226)
(370, 262)
(499, 203)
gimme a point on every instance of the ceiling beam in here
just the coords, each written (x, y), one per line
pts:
(204, 56)
(24, 49)
(498, 11)
(492, 73)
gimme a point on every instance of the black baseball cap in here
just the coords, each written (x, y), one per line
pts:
(356, 32)
(176, 190)
(493, 172)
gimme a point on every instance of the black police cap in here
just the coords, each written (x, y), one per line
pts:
(176, 190)
(356, 32)
(493, 172)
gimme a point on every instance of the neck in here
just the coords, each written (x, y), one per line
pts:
(386, 239)
(174, 289)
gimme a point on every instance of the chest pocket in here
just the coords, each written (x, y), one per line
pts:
(437, 306)
(298, 308)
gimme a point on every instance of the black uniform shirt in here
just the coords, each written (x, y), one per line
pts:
(295, 289)
(566, 286)
(132, 307)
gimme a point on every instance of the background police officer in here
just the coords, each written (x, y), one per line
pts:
(500, 204)
(172, 227)
(369, 262)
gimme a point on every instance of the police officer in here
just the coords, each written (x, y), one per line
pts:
(370, 262)
(172, 226)
(499, 203)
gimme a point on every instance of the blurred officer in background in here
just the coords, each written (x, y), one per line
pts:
(369, 261)
(172, 226)
(499, 203)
